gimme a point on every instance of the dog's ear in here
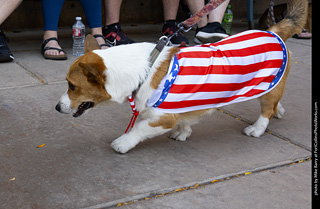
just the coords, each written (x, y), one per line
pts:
(92, 73)
(90, 43)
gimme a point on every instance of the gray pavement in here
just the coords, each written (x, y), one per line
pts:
(218, 167)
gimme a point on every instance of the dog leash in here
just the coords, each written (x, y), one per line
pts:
(271, 14)
(134, 112)
(183, 26)
(165, 40)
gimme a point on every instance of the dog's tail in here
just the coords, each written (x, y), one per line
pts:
(293, 21)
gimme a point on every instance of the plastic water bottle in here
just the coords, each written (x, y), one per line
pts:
(78, 37)
(227, 20)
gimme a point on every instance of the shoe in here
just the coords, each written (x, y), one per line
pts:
(114, 34)
(169, 28)
(52, 57)
(5, 53)
(210, 33)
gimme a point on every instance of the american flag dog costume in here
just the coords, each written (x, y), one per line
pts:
(238, 68)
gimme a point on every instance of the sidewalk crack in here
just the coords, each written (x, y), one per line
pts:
(32, 73)
(198, 184)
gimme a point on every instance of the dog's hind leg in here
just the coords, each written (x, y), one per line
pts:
(280, 111)
(182, 132)
(143, 130)
(260, 126)
(269, 104)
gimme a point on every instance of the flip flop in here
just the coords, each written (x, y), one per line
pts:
(52, 57)
(303, 35)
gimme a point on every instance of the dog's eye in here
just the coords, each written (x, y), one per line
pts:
(71, 86)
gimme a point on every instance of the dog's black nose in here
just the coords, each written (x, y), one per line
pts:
(58, 107)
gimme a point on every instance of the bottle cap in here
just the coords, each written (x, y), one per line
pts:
(78, 18)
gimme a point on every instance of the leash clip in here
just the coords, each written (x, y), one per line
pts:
(163, 41)
(182, 28)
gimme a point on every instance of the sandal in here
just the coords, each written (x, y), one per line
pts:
(107, 44)
(303, 35)
(52, 57)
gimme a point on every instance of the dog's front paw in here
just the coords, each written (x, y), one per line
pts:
(123, 144)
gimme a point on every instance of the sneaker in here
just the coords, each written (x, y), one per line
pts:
(5, 53)
(114, 34)
(210, 33)
(169, 28)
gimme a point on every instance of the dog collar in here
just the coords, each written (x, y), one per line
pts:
(163, 41)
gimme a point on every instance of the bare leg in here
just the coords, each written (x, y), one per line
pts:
(7, 7)
(194, 7)
(170, 9)
(217, 14)
(112, 11)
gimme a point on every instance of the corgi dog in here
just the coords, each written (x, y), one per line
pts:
(184, 84)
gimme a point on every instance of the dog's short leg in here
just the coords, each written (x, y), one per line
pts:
(280, 111)
(182, 132)
(269, 104)
(258, 128)
(142, 131)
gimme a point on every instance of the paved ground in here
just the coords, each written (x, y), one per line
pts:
(218, 167)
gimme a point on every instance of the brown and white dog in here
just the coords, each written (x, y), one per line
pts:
(115, 73)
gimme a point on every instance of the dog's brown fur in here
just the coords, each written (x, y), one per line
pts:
(293, 23)
(87, 77)
(87, 82)
(163, 69)
(279, 11)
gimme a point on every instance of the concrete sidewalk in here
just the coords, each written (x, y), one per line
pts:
(217, 167)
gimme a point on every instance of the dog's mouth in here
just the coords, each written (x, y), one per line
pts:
(82, 108)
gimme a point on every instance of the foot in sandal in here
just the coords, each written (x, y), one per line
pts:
(51, 49)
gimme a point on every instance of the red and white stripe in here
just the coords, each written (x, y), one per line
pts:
(132, 104)
(238, 68)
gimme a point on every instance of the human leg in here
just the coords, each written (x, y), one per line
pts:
(213, 31)
(92, 10)
(194, 7)
(51, 13)
(6, 8)
(217, 14)
(170, 10)
(112, 10)
(112, 30)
